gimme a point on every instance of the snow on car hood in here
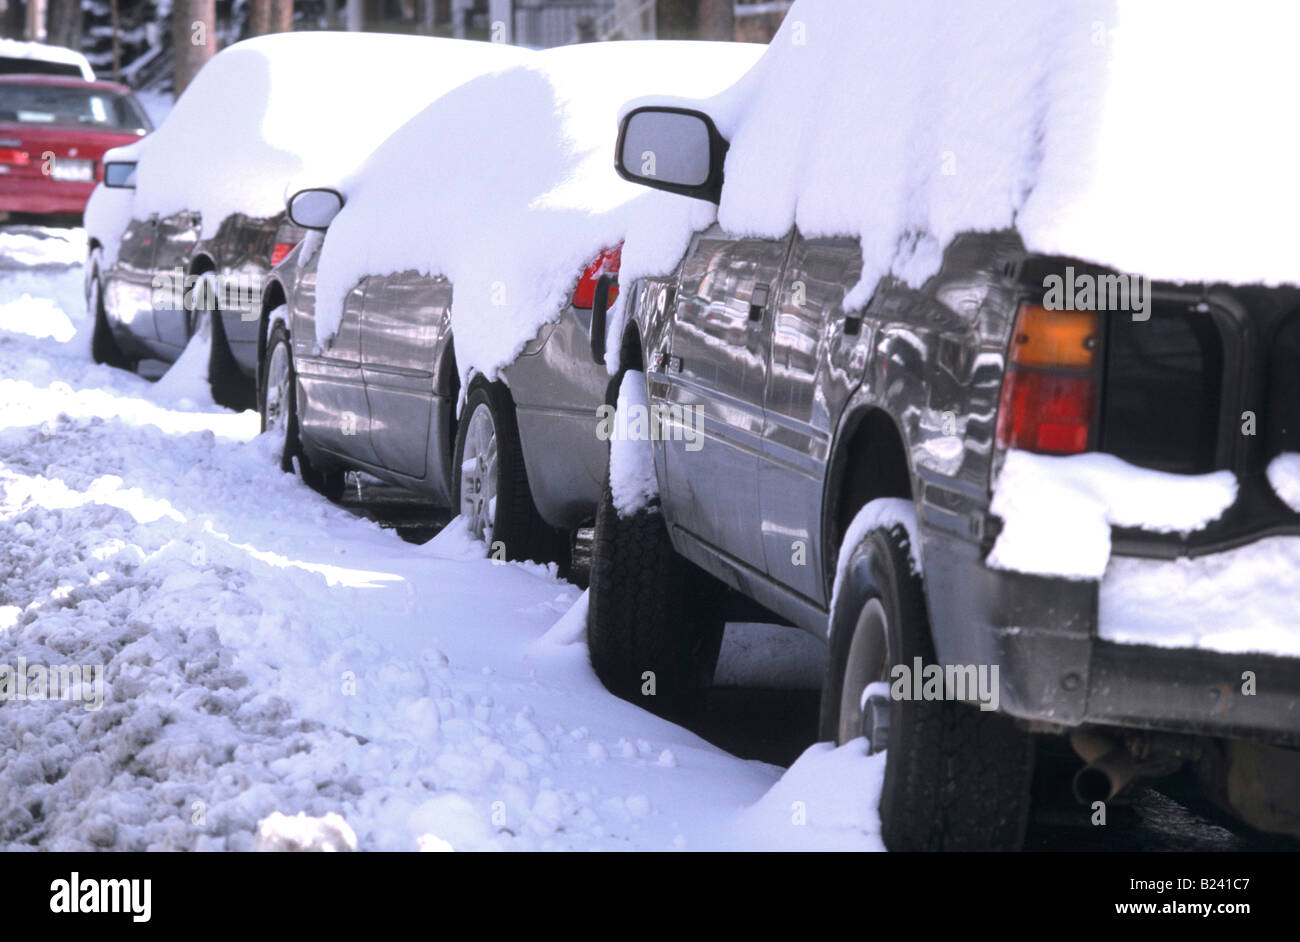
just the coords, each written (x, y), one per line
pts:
(272, 114)
(1141, 134)
(506, 186)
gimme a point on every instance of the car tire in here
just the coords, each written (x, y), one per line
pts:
(489, 482)
(654, 621)
(226, 381)
(278, 404)
(104, 347)
(956, 777)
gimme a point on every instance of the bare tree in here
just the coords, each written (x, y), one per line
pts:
(63, 27)
(717, 19)
(259, 17)
(194, 39)
(281, 16)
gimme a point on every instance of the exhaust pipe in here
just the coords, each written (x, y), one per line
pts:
(1109, 768)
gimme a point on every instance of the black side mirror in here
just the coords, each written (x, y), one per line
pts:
(672, 149)
(120, 174)
(314, 208)
(599, 307)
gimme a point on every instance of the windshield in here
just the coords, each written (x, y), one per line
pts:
(76, 107)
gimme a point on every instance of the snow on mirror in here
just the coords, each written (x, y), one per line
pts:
(667, 148)
(314, 208)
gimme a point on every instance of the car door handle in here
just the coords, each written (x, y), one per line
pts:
(758, 302)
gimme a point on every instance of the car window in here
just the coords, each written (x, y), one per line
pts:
(14, 65)
(74, 107)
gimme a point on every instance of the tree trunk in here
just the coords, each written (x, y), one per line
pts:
(354, 13)
(117, 45)
(281, 16)
(35, 21)
(194, 39)
(259, 17)
(717, 19)
(64, 25)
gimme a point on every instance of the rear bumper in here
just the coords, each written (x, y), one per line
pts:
(43, 197)
(1042, 635)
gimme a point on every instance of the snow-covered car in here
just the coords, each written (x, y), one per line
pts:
(54, 131)
(1018, 490)
(24, 58)
(486, 399)
(190, 236)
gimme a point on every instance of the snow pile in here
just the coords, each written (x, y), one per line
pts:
(906, 122)
(270, 115)
(282, 832)
(1284, 475)
(506, 186)
(1057, 511)
(886, 513)
(633, 484)
(1242, 600)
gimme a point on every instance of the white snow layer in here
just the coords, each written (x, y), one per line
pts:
(633, 483)
(273, 664)
(1284, 475)
(273, 114)
(1057, 511)
(506, 186)
(882, 513)
(906, 122)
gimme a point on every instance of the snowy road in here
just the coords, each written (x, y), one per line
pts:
(267, 653)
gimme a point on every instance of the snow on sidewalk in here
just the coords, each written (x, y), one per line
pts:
(266, 652)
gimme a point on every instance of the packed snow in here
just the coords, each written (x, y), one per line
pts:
(506, 186)
(883, 513)
(1057, 512)
(1284, 475)
(907, 122)
(633, 483)
(281, 674)
(273, 114)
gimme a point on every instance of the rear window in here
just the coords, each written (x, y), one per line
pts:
(9, 65)
(1163, 389)
(70, 107)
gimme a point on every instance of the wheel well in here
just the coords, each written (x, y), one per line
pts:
(202, 265)
(870, 464)
(272, 298)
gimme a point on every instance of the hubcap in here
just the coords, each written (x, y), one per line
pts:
(478, 474)
(864, 698)
(275, 413)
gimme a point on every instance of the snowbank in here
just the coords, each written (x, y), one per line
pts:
(906, 122)
(1057, 511)
(276, 113)
(506, 186)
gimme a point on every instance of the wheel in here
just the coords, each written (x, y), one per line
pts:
(226, 381)
(490, 483)
(279, 407)
(956, 777)
(103, 345)
(654, 621)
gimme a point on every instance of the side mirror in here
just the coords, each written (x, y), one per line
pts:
(673, 149)
(314, 208)
(120, 175)
(599, 307)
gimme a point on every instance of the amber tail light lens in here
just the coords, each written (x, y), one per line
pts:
(1049, 392)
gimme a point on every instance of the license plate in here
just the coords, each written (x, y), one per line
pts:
(72, 171)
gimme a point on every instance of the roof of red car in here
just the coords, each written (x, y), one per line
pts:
(69, 81)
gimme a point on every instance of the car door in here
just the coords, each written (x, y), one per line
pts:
(715, 377)
(128, 282)
(803, 402)
(332, 410)
(174, 240)
(406, 319)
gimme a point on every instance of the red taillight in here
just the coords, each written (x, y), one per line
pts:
(1049, 393)
(606, 263)
(14, 157)
(280, 251)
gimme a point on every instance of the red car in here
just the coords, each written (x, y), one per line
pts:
(54, 131)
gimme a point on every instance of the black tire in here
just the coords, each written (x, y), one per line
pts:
(229, 386)
(516, 528)
(328, 482)
(104, 347)
(956, 777)
(649, 610)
